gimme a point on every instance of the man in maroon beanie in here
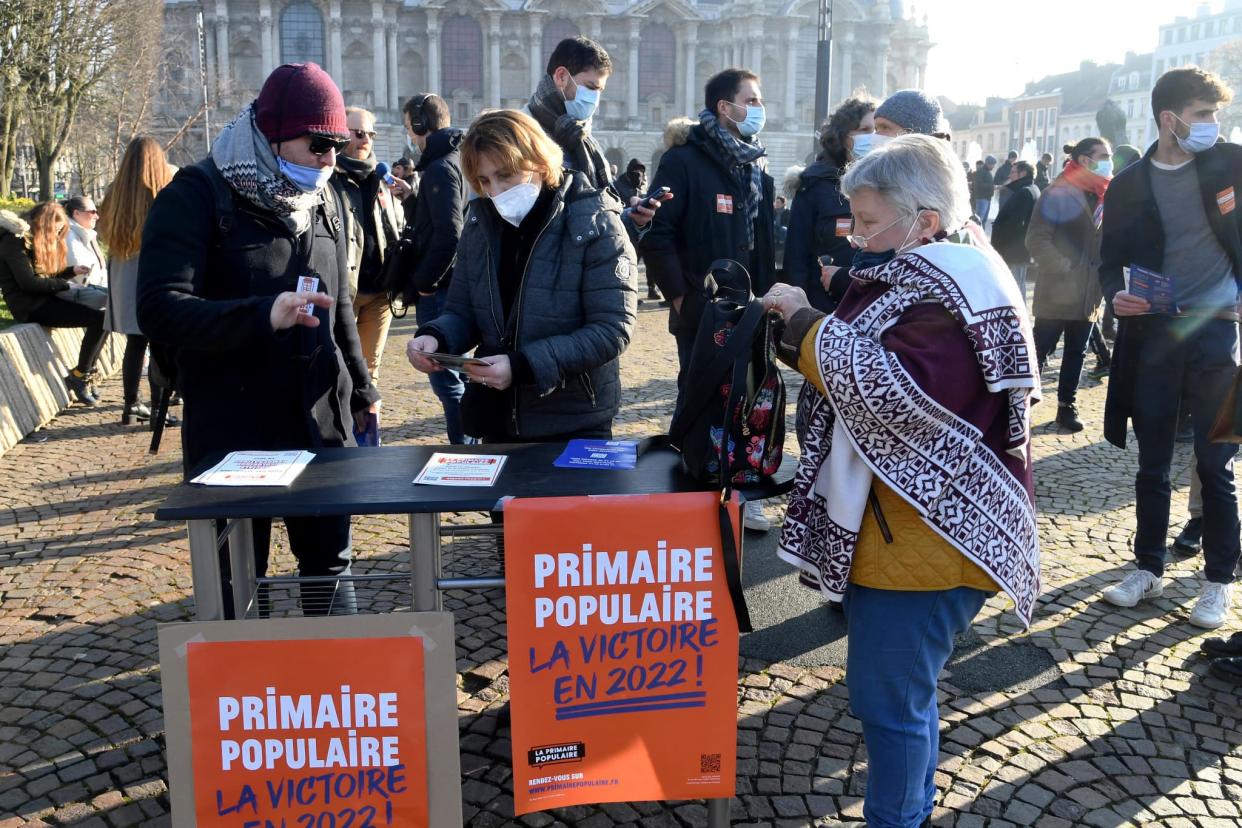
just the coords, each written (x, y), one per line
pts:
(236, 250)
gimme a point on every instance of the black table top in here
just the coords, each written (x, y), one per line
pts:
(379, 481)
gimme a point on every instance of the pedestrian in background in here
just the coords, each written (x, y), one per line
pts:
(544, 291)
(144, 171)
(435, 232)
(982, 189)
(820, 222)
(1003, 176)
(1064, 240)
(1012, 220)
(83, 241)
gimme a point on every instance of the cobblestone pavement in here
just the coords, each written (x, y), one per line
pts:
(1128, 730)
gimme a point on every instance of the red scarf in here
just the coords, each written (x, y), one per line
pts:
(1085, 180)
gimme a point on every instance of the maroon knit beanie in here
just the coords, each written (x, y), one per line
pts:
(298, 98)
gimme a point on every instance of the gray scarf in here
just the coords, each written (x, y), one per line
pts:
(244, 157)
(748, 160)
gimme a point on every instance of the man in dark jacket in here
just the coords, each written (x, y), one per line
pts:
(378, 222)
(1003, 176)
(723, 210)
(1012, 219)
(403, 172)
(254, 370)
(633, 182)
(437, 224)
(1043, 171)
(982, 188)
(565, 103)
(1174, 214)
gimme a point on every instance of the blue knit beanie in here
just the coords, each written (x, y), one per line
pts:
(911, 109)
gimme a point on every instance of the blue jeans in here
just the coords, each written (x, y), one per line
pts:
(446, 384)
(1187, 361)
(983, 206)
(898, 644)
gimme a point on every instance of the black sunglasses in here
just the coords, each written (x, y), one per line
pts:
(362, 133)
(319, 144)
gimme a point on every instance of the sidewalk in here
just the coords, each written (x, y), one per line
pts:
(1096, 716)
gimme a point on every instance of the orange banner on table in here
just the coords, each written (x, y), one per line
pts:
(314, 733)
(623, 649)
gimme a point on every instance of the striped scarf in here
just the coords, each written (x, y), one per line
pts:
(749, 162)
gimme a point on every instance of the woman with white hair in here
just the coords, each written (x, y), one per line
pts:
(913, 498)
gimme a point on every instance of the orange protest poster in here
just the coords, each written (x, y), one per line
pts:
(623, 648)
(308, 733)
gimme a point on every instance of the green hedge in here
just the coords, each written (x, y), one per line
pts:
(17, 205)
(6, 318)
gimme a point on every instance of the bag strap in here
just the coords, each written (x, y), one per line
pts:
(702, 385)
(732, 564)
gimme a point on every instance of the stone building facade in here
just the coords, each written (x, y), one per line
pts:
(481, 54)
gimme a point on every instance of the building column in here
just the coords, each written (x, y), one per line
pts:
(433, 52)
(846, 84)
(393, 80)
(336, 67)
(209, 54)
(754, 60)
(493, 59)
(223, 76)
(593, 27)
(379, 91)
(265, 36)
(631, 75)
(536, 51)
(791, 78)
(690, 43)
(881, 71)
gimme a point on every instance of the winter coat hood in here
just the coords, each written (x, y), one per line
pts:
(677, 131)
(13, 223)
(439, 144)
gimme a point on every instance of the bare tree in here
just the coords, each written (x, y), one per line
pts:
(18, 20)
(1226, 61)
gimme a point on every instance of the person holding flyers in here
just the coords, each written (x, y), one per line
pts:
(544, 288)
(913, 498)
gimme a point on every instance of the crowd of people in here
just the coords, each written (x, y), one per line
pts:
(270, 272)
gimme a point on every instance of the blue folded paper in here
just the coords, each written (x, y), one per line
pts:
(599, 454)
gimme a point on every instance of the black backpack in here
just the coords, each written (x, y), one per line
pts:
(730, 425)
(164, 356)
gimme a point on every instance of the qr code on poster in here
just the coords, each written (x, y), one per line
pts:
(709, 763)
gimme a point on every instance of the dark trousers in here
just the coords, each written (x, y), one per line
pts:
(1099, 345)
(685, 344)
(1077, 333)
(447, 384)
(1185, 362)
(131, 368)
(56, 313)
(322, 547)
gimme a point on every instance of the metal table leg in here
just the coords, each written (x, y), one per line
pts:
(425, 561)
(718, 813)
(205, 571)
(241, 564)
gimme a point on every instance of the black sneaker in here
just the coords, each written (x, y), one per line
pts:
(1230, 647)
(1067, 418)
(1099, 371)
(79, 387)
(1229, 669)
(1190, 540)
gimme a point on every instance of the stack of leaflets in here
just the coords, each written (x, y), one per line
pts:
(256, 468)
(1156, 288)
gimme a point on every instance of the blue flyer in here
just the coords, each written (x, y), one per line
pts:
(599, 454)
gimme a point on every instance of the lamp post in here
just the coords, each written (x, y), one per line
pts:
(823, 61)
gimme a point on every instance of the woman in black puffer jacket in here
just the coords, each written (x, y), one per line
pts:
(544, 287)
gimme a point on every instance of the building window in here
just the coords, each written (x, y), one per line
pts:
(553, 33)
(1130, 108)
(301, 33)
(463, 112)
(1039, 119)
(657, 62)
(1052, 115)
(1134, 80)
(461, 60)
(1030, 119)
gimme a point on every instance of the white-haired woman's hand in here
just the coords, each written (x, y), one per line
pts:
(785, 300)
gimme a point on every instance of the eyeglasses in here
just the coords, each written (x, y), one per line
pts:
(360, 134)
(861, 242)
(320, 144)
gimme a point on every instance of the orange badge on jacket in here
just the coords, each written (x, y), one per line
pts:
(845, 226)
(724, 203)
(1225, 201)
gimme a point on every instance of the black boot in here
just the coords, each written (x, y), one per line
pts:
(1190, 540)
(1230, 647)
(79, 386)
(1067, 417)
(135, 411)
(1229, 669)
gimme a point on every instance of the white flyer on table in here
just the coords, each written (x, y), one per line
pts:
(461, 470)
(256, 468)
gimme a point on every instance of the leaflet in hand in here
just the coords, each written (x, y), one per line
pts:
(461, 470)
(599, 454)
(1156, 288)
(256, 468)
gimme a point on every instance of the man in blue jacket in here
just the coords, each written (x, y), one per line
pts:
(1173, 218)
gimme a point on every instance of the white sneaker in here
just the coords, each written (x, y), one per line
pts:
(1212, 606)
(1138, 585)
(753, 517)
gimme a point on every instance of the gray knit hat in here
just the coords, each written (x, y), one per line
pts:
(911, 109)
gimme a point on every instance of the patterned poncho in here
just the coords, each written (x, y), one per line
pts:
(930, 371)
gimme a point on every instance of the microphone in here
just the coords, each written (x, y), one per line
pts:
(382, 169)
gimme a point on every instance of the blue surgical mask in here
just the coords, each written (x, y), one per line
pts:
(1104, 168)
(306, 179)
(1202, 136)
(584, 103)
(865, 142)
(752, 124)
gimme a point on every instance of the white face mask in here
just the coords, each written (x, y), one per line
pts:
(1202, 136)
(515, 203)
(865, 142)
